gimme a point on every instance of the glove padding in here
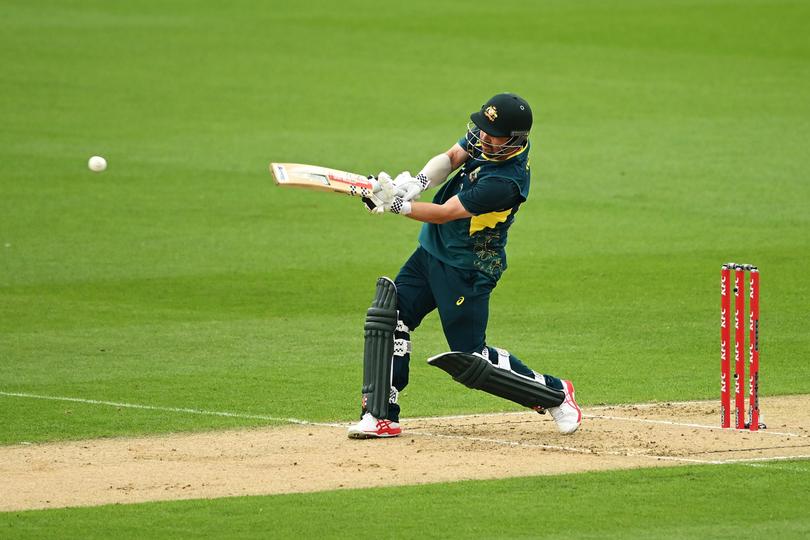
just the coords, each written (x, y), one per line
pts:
(409, 188)
(377, 201)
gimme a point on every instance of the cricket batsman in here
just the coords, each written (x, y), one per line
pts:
(461, 256)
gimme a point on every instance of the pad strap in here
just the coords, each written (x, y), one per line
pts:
(402, 341)
(503, 357)
(402, 347)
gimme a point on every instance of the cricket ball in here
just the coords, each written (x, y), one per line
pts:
(97, 163)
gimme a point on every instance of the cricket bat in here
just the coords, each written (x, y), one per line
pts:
(318, 178)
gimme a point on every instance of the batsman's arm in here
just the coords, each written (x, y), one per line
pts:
(438, 213)
(457, 157)
(438, 168)
(492, 194)
(434, 173)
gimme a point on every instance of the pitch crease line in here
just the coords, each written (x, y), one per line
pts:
(202, 412)
(685, 424)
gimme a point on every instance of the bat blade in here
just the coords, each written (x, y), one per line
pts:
(315, 178)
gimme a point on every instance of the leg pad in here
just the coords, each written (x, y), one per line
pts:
(474, 371)
(378, 350)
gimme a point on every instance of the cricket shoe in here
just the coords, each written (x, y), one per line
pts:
(567, 415)
(371, 428)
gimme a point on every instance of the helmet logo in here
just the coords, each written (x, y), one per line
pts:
(491, 113)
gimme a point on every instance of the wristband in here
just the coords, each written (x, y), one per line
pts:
(423, 180)
(400, 206)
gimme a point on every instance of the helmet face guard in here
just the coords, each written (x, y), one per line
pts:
(515, 143)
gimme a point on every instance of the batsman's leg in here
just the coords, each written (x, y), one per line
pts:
(378, 350)
(567, 414)
(464, 311)
(414, 301)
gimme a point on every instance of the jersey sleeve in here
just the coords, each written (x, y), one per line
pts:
(491, 194)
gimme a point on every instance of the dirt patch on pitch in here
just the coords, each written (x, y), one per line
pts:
(319, 457)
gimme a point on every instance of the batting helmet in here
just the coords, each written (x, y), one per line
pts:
(504, 115)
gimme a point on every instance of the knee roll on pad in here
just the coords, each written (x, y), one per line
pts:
(378, 349)
(474, 371)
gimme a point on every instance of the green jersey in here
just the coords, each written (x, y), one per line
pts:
(490, 190)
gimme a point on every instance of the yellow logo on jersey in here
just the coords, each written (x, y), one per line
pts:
(479, 223)
(460, 300)
(491, 113)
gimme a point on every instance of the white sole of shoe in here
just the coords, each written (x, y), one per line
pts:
(367, 435)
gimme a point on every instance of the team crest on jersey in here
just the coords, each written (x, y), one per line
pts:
(491, 112)
(474, 174)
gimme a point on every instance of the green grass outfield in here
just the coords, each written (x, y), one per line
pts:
(729, 501)
(670, 137)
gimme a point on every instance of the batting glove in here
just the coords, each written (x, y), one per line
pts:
(408, 187)
(384, 193)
